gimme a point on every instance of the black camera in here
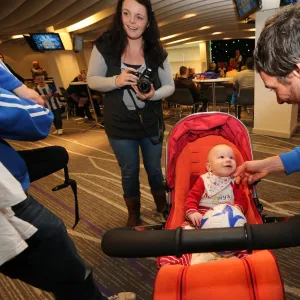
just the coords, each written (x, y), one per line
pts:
(145, 80)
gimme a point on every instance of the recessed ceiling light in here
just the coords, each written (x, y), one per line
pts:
(18, 36)
(193, 42)
(226, 38)
(178, 41)
(251, 29)
(169, 37)
(204, 27)
(189, 16)
(251, 37)
(217, 32)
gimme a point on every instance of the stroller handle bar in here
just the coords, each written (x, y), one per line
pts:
(127, 242)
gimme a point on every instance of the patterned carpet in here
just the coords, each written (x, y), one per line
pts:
(94, 166)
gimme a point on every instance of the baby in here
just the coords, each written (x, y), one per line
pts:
(213, 188)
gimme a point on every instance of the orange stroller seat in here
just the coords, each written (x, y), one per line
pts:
(255, 277)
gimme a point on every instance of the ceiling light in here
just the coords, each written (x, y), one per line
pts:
(178, 41)
(204, 27)
(193, 42)
(251, 37)
(251, 29)
(84, 23)
(188, 16)
(217, 32)
(161, 24)
(91, 20)
(18, 36)
(169, 37)
(226, 38)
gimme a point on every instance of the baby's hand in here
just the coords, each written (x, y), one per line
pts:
(195, 218)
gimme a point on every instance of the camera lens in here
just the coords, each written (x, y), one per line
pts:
(144, 86)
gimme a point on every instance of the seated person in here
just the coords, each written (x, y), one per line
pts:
(191, 73)
(244, 79)
(232, 72)
(84, 74)
(184, 82)
(222, 69)
(231, 65)
(79, 94)
(34, 244)
(212, 67)
(51, 98)
(212, 188)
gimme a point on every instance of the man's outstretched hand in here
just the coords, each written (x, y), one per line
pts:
(252, 171)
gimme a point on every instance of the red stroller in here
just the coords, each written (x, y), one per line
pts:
(255, 277)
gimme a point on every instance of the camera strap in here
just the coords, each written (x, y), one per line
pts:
(160, 122)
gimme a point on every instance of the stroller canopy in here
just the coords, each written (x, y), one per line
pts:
(200, 125)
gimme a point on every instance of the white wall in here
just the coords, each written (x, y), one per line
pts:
(67, 65)
(63, 66)
(189, 57)
(203, 56)
(20, 57)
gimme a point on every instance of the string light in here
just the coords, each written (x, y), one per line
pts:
(224, 50)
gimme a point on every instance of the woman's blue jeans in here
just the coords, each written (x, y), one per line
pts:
(127, 154)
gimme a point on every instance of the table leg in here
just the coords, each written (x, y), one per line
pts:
(92, 103)
(213, 87)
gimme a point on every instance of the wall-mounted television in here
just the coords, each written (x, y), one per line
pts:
(247, 7)
(47, 41)
(287, 2)
(77, 43)
(30, 42)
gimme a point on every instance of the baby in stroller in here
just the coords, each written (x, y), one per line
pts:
(212, 188)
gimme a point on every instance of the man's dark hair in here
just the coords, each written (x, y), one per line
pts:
(250, 63)
(116, 38)
(36, 74)
(278, 48)
(183, 70)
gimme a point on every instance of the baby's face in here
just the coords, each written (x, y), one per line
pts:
(221, 161)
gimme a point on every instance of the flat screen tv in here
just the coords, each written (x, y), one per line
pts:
(77, 43)
(247, 7)
(287, 2)
(30, 42)
(47, 41)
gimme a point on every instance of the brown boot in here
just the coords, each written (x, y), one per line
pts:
(133, 206)
(160, 200)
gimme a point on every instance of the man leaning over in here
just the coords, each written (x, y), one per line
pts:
(277, 59)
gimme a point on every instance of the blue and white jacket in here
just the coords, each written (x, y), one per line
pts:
(22, 120)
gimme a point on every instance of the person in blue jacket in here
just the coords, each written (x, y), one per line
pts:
(50, 262)
(277, 59)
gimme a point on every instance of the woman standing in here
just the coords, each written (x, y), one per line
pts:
(133, 119)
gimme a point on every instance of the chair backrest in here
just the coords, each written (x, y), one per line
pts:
(182, 96)
(221, 96)
(246, 96)
(228, 88)
(204, 90)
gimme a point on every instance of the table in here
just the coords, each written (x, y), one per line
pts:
(213, 83)
(91, 100)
